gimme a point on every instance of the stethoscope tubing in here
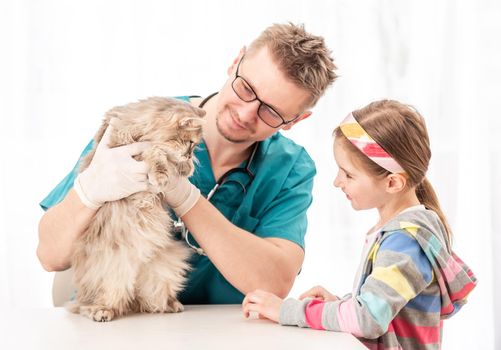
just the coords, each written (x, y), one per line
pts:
(179, 224)
(224, 178)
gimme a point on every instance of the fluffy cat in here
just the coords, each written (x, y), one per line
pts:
(127, 259)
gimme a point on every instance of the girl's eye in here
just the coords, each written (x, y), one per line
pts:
(342, 172)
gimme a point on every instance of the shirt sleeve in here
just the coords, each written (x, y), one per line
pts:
(285, 217)
(401, 271)
(61, 190)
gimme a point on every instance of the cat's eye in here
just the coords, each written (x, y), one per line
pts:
(191, 148)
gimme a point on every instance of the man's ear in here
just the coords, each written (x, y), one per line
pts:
(301, 117)
(395, 183)
(237, 59)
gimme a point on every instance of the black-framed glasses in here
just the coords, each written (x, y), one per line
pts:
(265, 112)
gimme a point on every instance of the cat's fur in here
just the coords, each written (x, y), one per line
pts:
(127, 260)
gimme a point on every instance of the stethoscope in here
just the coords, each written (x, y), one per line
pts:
(179, 225)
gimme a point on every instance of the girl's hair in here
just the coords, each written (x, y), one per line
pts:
(401, 131)
(303, 57)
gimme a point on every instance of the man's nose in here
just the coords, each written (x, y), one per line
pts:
(248, 111)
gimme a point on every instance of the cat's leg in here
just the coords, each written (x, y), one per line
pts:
(105, 281)
(162, 279)
(161, 161)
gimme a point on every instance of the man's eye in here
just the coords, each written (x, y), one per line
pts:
(265, 109)
(247, 90)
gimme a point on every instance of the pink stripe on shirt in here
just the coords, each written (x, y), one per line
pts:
(451, 269)
(422, 334)
(313, 314)
(347, 317)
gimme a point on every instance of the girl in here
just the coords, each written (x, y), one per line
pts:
(409, 279)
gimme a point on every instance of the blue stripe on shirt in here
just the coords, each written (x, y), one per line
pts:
(427, 303)
(404, 244)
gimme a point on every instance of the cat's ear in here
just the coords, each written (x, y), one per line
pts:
(124, 131)
(191, 123)
(183, 124)
(200, 112)
(111, 117)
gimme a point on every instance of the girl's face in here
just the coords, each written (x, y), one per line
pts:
(362, 189)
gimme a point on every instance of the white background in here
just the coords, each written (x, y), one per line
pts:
(64, 63)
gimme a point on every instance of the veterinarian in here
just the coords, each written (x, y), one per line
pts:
(244, 208)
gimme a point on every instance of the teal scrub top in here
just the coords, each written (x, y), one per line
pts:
(274, 204)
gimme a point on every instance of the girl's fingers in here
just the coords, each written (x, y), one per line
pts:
(308, 294)
(251, 302)
(250, 307)
(316, 292)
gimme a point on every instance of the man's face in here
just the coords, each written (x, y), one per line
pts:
(237, 120)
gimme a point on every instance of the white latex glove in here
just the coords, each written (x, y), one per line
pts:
(112, 174)
(181, 195)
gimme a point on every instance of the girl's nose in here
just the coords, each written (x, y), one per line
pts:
(338, 181)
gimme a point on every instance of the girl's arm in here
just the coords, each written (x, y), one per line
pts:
(401, 271)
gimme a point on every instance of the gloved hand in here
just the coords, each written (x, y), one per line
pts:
(181, 195)
(112, 174)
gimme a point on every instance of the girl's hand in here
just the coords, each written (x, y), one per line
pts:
(267, 305)
(319, 293)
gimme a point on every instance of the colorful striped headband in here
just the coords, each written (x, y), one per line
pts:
(361, 140)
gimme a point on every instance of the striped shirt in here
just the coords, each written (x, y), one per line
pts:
(411, 280)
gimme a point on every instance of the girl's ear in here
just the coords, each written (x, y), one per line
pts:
(395, 183)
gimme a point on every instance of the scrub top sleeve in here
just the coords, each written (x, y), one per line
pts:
(62, 189)
(286, 217)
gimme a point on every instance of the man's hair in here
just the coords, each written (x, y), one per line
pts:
(303, 57)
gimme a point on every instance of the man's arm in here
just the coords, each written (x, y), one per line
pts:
(248, 262)
(270, 256)
(59, 228)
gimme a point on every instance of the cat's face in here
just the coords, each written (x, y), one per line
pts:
(188, 122)
(177, 125)
(171, 125)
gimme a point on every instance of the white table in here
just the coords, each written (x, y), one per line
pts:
(198, 327)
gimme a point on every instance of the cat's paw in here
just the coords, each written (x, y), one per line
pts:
(97, 313)
(175, 306)
(102, 315)
(158, 180)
